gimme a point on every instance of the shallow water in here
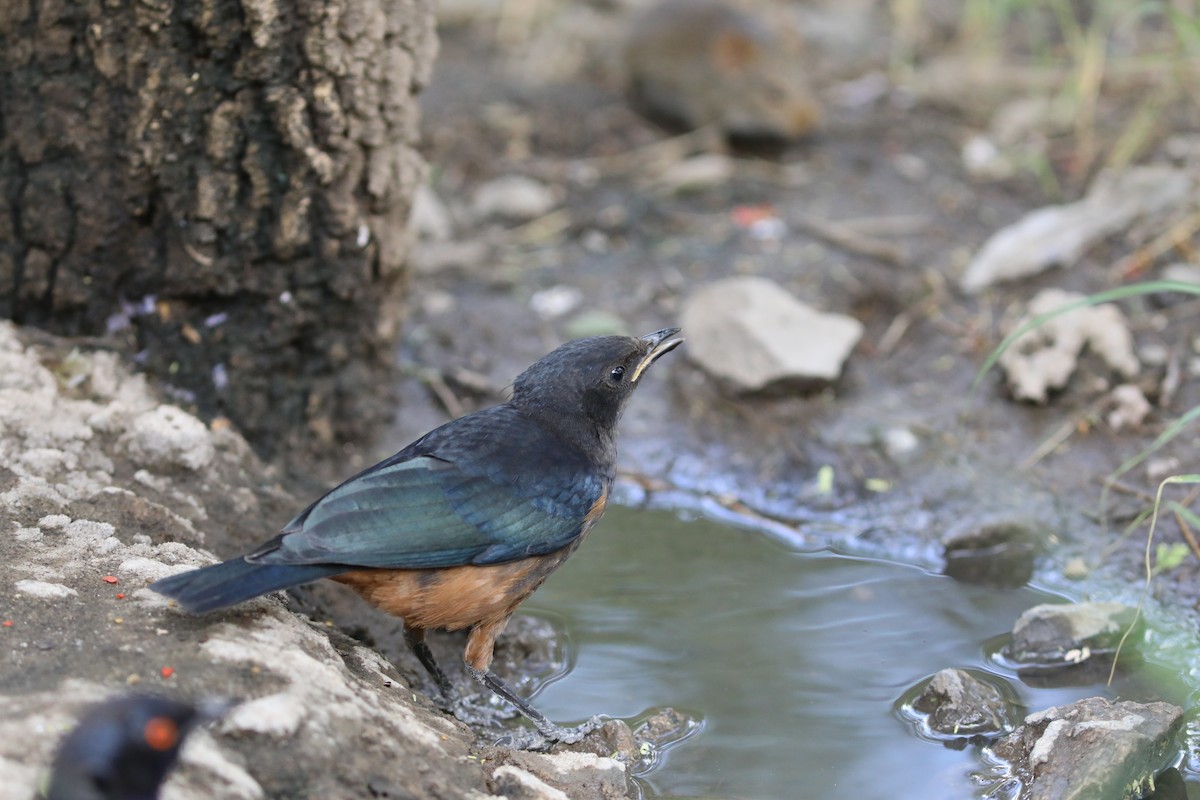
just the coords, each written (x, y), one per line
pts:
(795, 661)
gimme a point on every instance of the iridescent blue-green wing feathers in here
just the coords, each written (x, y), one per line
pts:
(448, 501)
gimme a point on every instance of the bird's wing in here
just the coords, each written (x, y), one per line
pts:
(424, 511)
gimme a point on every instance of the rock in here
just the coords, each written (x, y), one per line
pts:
(1070, 633)
(564, 774)
(48, 591)
(321, 715)
(1076, 569)
(1183, 272)
(1044, 358)
(169, 437)
(517, 784)
(430, 258)
(956, 703)
(513, 197)
(1130, 407)
(750, 334)
(615, 739)
(641, 750)
(983, 160)
(696, 173)
(1159, 468)
(1061, 234)
(992, 553)
(899, 444)
(1169, 785)
(1092, 749)
(667, 725)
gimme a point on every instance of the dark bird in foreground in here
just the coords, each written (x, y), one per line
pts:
(459, 527)
(122, 749)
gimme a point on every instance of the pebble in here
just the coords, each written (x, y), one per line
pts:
(997, 552)
(959, 704)
(752, 335)
(514, 198)
(900, 444)
(1070, 633)
(44, 589)
(696, 173)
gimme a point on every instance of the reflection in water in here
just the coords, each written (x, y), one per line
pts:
(794, 660)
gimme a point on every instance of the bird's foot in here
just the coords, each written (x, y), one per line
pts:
(548, 735)
(474, 713)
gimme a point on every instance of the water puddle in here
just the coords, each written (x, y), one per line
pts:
(796, 662)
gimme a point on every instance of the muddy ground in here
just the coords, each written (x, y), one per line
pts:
(893, 168)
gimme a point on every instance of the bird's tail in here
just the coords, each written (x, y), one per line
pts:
(231, 582)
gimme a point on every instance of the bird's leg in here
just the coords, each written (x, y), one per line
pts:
(415, 639)
(451, 701)
(478, 658)
(549, 731)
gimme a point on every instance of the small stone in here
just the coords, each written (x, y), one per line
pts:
(595, 241)
(613, 739)
(1159, 468)
(959, 704)
(983, 160)
(1070, 633)
(429, 258)
(1062, 234)
(911, 166)
(1043, 359)
(168, 436)
(754, 336)
(666, 726)
(572, 773)
(996, 552)
(1130, 407)
(1076, 569)
(899, 444)
(1184, 273)
(696, 173)
(276, 715)
(436, 302)
(44, 589)
(1154, 354)
(518, 784)
(513, 197)
(54, 522)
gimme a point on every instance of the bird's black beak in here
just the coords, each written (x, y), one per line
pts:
(660, 343)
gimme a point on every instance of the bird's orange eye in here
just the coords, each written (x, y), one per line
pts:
(161, 733)
(618, 372)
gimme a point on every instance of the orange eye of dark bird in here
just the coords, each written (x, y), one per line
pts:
(618, 372)
(161, 733)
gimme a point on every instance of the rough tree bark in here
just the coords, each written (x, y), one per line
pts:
(224, 184)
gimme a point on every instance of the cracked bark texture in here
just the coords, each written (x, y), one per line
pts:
(222, 185)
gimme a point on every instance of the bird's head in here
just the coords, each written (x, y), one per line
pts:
(593, 378)
(123, 748)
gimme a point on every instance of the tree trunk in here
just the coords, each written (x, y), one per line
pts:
(226, 185)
